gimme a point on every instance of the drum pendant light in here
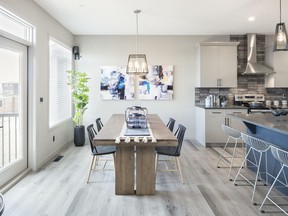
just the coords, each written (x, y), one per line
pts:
(137, 63)
(280, 38)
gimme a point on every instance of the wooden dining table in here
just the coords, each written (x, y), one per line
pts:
(126, 158)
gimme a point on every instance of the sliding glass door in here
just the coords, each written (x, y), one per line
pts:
(13, 109)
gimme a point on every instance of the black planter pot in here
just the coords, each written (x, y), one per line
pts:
(79, 135)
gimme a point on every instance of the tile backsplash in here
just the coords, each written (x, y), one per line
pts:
(246, 84)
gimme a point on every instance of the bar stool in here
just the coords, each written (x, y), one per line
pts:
(282, 157)
(256, 145)
(232, 134)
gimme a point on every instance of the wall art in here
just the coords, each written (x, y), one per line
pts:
(116, 84)
(157, 84)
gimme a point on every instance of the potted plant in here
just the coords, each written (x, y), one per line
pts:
(78, 82)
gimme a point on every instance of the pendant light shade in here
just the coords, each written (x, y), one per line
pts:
(137, 63)
(280, 38)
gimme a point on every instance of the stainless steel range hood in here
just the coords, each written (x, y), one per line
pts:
(253, 67)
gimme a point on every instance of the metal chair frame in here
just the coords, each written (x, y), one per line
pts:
(281, 156)
(95, 154)
(236, 136)
(256, 145)
(180, 132)
(171, 124)
(99, 124)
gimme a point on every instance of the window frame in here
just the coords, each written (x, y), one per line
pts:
(68, 48)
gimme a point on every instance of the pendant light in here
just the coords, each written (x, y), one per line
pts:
(280, 38)
(137, 63)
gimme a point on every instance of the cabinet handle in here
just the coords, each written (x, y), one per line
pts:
(228, 122)
(236, 112)
(218, 82)
(216, 112)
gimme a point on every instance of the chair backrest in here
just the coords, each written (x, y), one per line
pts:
(171, 124)
(99, 124)
(255, 143)
(91, 135)
(280, 155)
(180, 133)
(231, 132)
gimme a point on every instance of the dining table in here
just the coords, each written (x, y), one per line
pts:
(135, 157)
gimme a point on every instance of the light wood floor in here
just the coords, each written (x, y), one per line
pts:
(60, 189)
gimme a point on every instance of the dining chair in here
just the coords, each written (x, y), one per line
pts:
(99, 124)
(171, 124)
(97, 151)
(173, 151)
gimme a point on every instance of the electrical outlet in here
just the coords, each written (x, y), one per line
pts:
(53, 138)
(284, 95)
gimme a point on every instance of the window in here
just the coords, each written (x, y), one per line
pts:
(59, 93)
(15, 26)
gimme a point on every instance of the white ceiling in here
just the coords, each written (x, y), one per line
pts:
(166, 17)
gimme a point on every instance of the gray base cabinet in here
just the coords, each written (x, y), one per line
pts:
(208, 125)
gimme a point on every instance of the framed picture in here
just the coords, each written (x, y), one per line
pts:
(157, 84)
(116, 84)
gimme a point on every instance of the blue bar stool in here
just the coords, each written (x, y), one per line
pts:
(282, 157)
(236, 136)
(255, 145)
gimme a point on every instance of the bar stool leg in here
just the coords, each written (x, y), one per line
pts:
(267, 195)
(244, 161)
(232, 160)
(223, 152)
(256, 179)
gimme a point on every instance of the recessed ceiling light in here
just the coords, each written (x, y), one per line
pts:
(251, 19)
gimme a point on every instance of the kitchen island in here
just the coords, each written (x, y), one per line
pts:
(270, 128)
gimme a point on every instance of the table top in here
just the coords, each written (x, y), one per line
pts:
(113, 128)
(266, 120)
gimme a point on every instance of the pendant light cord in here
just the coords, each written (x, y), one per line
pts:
(280, 11)
(137, 32)
(137, 11)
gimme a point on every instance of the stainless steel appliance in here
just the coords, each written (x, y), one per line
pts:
(254, 102)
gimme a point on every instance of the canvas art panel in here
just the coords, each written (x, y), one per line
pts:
(157, 84)
(116, 84)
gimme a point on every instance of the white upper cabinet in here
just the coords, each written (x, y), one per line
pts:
(280, 78)
(216, 64)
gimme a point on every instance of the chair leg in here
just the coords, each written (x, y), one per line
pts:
(256, 178)
(156, 163)
(244, 161)
(91, 167)
(223, 151)
(232, 160)
(179, 168)
(266, 197)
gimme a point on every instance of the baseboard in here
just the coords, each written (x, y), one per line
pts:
(53, 154)
(14, 181)
(222, 144)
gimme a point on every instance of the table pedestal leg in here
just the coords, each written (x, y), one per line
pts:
(124, 170)
(145, 170)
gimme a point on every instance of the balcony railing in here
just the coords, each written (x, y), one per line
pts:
(9, 139)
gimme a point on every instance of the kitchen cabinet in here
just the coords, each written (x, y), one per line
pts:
(216, 64)
(208, 125)
(279, 78)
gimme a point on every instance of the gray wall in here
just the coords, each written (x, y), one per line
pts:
(40, 146)
(113, 50)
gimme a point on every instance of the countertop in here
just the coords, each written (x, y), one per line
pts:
(222, 107)
(266, 120)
